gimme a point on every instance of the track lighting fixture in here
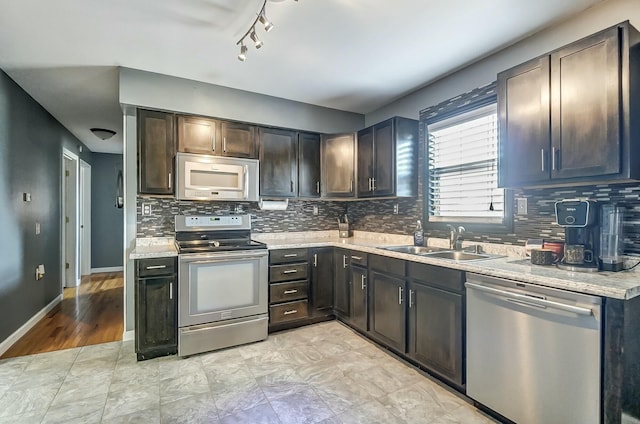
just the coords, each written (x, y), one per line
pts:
(251, 32)
(243, 53)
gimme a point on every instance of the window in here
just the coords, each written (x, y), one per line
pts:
(462, 170)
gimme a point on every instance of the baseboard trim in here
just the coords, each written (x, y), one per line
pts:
(9, 341)
(128, 335)
(107, 269)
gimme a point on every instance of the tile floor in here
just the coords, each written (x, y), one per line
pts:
(324, 373)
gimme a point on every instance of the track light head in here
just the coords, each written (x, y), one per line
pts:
(268, 25)
(256, 40)
(243, 52)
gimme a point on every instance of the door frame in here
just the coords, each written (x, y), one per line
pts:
(84, 203)
(76, 277)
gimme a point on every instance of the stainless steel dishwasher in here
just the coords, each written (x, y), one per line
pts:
(533, 353)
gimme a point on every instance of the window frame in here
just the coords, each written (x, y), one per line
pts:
(504, 227)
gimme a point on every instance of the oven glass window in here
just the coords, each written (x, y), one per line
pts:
(222, 286)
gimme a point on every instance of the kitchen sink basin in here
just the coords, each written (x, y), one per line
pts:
(456, 255)
(414, 250)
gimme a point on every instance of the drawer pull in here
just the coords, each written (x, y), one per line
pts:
(290, 255)
(290, 291)
(156, 267)
(290, 271)
(293, 311)
(357, 258)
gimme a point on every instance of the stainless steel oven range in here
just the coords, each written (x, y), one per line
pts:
(222, 283)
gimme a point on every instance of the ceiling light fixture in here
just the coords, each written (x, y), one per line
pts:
(251, 32)
(102, 133)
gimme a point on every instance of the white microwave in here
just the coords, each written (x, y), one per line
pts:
(204, 177)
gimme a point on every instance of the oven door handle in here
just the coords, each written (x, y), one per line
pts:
(220, 256)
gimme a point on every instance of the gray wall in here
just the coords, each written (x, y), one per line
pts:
(31, 142)
(156, 91)
(107, 221)
(596, 18)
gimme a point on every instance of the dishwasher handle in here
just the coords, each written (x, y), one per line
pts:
(520, 298)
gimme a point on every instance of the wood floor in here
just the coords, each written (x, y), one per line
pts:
(87, 315)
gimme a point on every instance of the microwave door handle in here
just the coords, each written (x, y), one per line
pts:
(246, 182)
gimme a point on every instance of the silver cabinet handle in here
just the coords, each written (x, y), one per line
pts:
(369, 183)
(318, 187)
(290, 255)
(410, 298)
(155, 267)
(293, 311)
(399, 295)
(351, 186)
(290, 291)
(291, 186)
(373, 184)
(362, 284)
(290, 271)
(169, 179)
(553, 158)
(528, 300)
(315, 259)
(542, 159)
(171, 291)
(357, 258)
(224, 144)
(344, 261)
(213, 139)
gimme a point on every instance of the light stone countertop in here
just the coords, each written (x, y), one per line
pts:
(513, 265)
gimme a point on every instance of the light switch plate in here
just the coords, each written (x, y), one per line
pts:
(522, 206)
(37, 228)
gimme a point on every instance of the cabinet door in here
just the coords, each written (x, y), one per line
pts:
(197, 135)
(365, 168)
(359, 297)
(585, 107)
(278, 163)
(238, 140)
(156, 316)
(308, 165)
(436, 330)
(338, 153)
(523, 117)
(156, 150)
(387, 314)
(384, 158)
(341, 284)
(321, 262)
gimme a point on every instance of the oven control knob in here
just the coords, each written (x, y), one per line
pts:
(570, 219)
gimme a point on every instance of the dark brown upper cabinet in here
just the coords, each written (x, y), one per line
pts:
(156, 151)
(278, 163)
(338, 165)
(238, 140)
(387, 159)
(198, 135)
(308, 165)
(565, 118)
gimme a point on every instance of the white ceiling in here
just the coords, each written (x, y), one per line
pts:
(352, 55)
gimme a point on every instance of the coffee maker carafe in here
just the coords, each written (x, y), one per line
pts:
(580, 219)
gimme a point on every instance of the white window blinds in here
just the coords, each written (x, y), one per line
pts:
(462, 168)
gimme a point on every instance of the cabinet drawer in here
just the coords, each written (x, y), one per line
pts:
(282, 256)
(288, 311)
(286, 292)
(437, 276)
(287, 272)
(156, 266)
(358, 258)
(387, 265)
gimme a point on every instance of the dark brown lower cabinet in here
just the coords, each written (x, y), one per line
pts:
(359, 297)
(387, 315)
(341, 284)
(436, 320)
(321, 280)
(156, 308)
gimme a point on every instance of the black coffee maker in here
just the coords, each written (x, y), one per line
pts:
(580, 219)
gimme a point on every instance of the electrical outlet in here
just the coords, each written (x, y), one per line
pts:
(315, 210)
(522, 206)
(146, 209)
(396, 209)
(40, 272)
(26, 197)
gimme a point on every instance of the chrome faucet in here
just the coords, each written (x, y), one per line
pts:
(455, 237)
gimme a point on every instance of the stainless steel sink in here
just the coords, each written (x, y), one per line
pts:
(414, 250)
(456, 255)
